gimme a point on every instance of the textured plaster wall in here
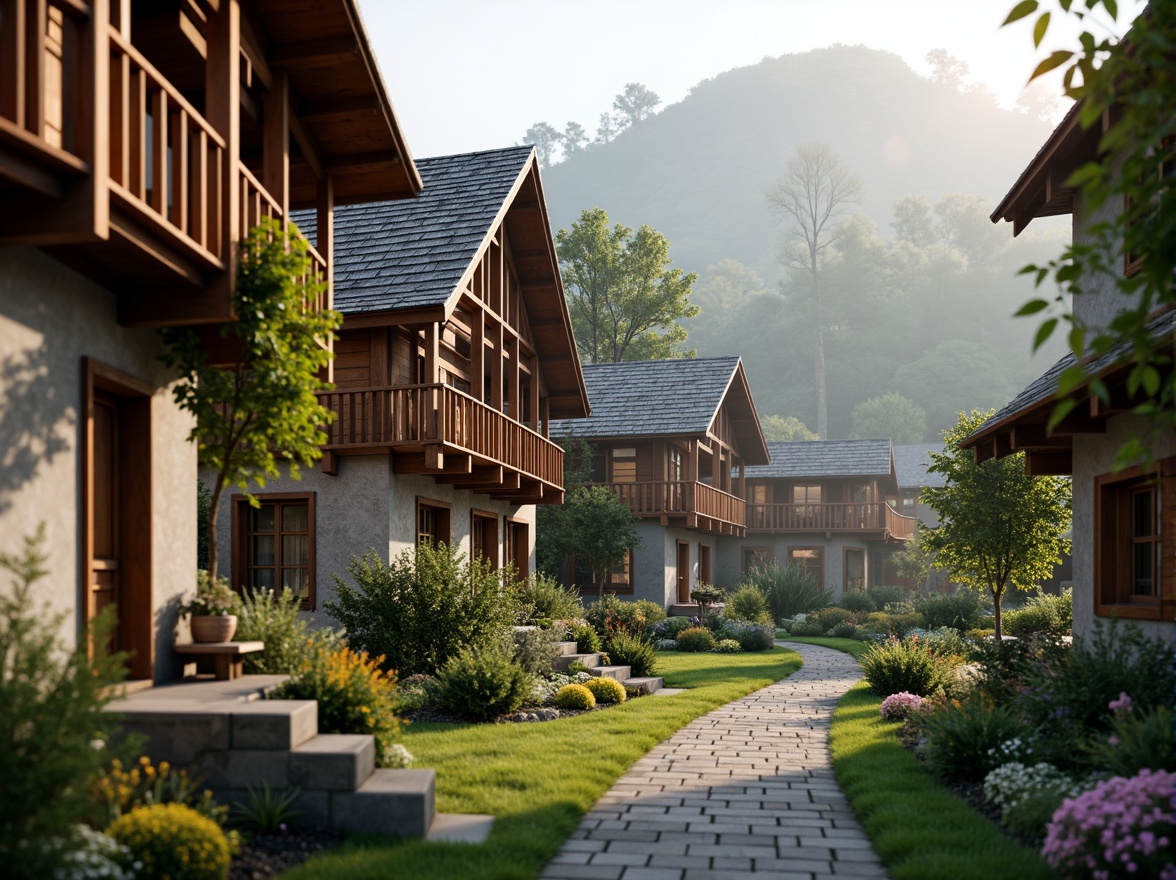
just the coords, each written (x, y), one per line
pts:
(1100, 300)
(50, 318)
(1093, 456)
(656, 561)
(731, 556)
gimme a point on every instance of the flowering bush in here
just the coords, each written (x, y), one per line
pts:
(728, 646)
(666, 644)
(213, 596)
(750, 636)
(696, 638)
(91, 855)
(544, 689)
(123, 789)
(898, 706)
(172, 840)
(1010, 784)
(1120, 828)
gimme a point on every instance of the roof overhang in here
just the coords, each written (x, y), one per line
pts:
(745, 423)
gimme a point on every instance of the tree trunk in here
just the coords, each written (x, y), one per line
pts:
(213, 508)
(996, 596)
(819, 352)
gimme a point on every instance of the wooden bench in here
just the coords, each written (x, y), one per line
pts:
(226, 658)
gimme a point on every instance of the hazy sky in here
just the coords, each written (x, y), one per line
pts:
(475, 74)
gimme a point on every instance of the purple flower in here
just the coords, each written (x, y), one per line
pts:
(898, 706)
(1123, 705)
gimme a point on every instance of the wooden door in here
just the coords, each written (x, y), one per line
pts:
(683, 571)
(105, 537)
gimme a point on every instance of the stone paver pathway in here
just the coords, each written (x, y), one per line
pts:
(745, 790)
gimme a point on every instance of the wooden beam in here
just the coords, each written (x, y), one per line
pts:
(1049, 464)
(312, 153)
(330, 463)
(276, 143)
(222, 108)
(355, 160)
(325, 111)
(311, 51)
(490, 474)
(1035, 437)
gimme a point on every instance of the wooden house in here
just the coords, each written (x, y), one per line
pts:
(671, 438)
(1124, 522)
(455, 355)
(911, 463)
(139, 141)
(827, 505)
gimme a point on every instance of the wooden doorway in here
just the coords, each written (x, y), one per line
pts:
(683, 571)
(518, 546)
(117, 510)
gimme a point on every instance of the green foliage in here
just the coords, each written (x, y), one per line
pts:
(262, 411)
(845, 630)
(748, 603)
(894, 666)
(785, 429)
(895, 625)
(587, 641)
(960, 611)
(696, 638)
(670, 628)
(625, 301)
(52, 696)
(1004, 666)
(653, 612)
(610, 615)
(173, 842)
(806, 628)
(213, 596)
(1137, 742)
(606, 690)
(728, 646)
(961, 735)
(574, 696)
(416, 692)
(915, 561)
(536, 649)
(1043, 614)
(123, 789)
(1032, 813)
(272, 617)
(354, 695)
(858, 601)
(999, 527)
(827, 618)
(750, 636)
(889, 415)
(422, 607)
(550, 599)
(633, 651)
(203, 512)
(482, 682)
(789, 591)
(595, 525)
(707, 595)
(966, 373)
(267, 810)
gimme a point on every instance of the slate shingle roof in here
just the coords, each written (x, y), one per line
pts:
(648, 398)
(825, 458)
(911, 463)
(411, 253)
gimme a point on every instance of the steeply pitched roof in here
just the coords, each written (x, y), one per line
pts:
(826, 458)
(412, 253)
(911, 463)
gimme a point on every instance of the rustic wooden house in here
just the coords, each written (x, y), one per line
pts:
(671, 439)
(139, 141)
(455, 355)
(911, 463)
(827, 505)
(1124, 522)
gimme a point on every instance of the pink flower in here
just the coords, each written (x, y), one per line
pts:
(1123, 705)
(898, 706)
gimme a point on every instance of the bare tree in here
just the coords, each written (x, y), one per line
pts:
(809, 197)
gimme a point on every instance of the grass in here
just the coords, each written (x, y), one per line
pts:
(539, 779)
(919, 828)
(849, 646)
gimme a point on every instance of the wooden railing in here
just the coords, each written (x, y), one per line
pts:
(680, 498)
(387, 418)
(838, 517)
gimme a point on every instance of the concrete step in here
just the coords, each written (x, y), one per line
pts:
(333, 762)
(566, 648)
(589, 660)
(400, 802)
(644, 686)
(620, 673)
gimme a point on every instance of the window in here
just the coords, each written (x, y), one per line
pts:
(854, 575)
(484, 536)
(618, 581)
(755, 557)
(624, 465)
(274, 544)
(704, 564)
(806, 494)
(811, 559)
(1133, 577)
(757, 493)
(1165, 170)
(677, 470)
(433, 522)
(518, 546)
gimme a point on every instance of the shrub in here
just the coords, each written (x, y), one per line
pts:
(273, 618)
(416, 692)
(713, 622)
(892, 667)
(858, 601)
(845, 630)
(550, 599)
(883, 596)
(963, 737)
(354, 694)
(536, 649)
(123, 789)
(1043, 614)
(654, 613)
(627, 650)
(804, 628)
(606, 690)
(543, 690)
(896, 624)
(422, 607)
(610, 615)
(52, 697)
(92, 855)
(482, 682)
(1137, 743)
(830, 617)
(173, 842)
(898, 706)
(789, 591)
(575, 696)
(267, 810)
(1003, 666)
(671, 626)
(696, 639)
(587, 641)
(728, 646)
(666, 644)
(747, 603)
(750, 636)
(960, 611)
(1028, 796)
(1120, 828)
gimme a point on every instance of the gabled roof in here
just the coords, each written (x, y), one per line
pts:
(679, 396)
(911, 462)
(827, 458)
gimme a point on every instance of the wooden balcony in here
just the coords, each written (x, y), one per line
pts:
(438, 430)
(871, 516)
(699, 505)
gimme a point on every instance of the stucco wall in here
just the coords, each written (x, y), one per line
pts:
(655, 561)
(50, 318)
(731, 556)
(1100, 300)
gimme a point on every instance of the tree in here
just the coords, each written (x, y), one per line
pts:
(261, 410)
(598, 528)
(545, 140)
(608, 128)
(810, 196)
(726, 286)
(953, 376)
(1132, 174)
(999, 527)
(891, 415)
(575, 139)
(785, 429)
(1038, 101)
(635, 103)
(946, 69)
(915, 560)
(624, 300)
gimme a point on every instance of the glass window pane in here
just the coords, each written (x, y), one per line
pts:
(1141, 569)
(1143, 506)
(263, 550)
(263, 577)
(261, 519)
(295, 549)
(297, 580)
(295, 517)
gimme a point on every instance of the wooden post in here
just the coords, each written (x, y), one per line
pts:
(276, 144)
(512, 378)
(478, 352)
(534, 393)
(432, 354)
(496, 367)
(222, 108)
(324, 238)
(545, 407)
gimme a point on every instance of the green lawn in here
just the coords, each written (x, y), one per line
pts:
(539, 779)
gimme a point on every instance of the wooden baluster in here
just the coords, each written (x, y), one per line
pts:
(120, 72)
(34, 107)
(199, 201)
(14, 70)
(179, 170)
(137, 133)
(159, 116)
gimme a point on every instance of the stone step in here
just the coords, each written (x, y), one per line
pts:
(566, 648)
(400, 802)
(620, 673)
(333, 762)
(589, 660)
(644, 686)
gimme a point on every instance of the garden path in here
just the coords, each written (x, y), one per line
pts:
(745, 790)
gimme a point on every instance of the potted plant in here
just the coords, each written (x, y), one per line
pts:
(706, 595)
(213, 613)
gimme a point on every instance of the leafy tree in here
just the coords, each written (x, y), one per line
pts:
(599, 528)
(727, 285)
(953, 376)
(624, 300)
(809, 197)
(608, 128)
(915, 560)
(998, 526)
(546, 141)
(1038, 101)
(946, 69)
(891, 415)
(549, 518)
(575, 139)
(635, 103)
(260, 411)
(785, 429)
(914, 222)
(1135, 90)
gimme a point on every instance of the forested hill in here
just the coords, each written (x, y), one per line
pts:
(697, 170)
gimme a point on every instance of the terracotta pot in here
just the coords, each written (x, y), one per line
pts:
(213, 627)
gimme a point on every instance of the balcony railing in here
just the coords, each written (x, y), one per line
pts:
(681, 498)
(875, 516)
(369, 420)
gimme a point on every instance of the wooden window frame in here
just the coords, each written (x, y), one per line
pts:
(485, 516)
(612, 461)
(617, 588)
(820, 556)
(764, 553)
(705, 569)
(522, 571)
(1114, 541)
(845, 551)
(443, 532)
(1132, 262)
(239, 513)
